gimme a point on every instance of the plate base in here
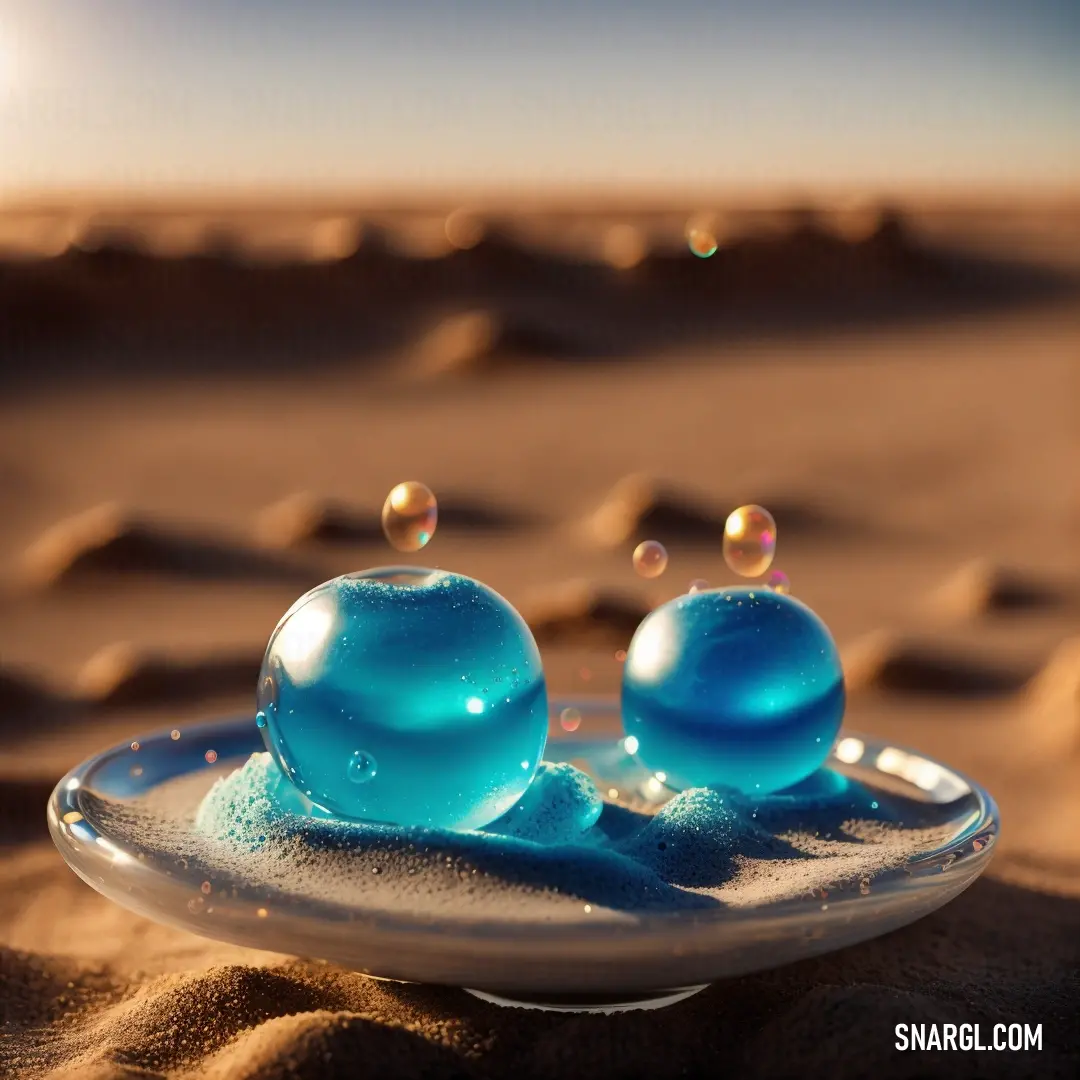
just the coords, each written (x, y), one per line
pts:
(591, 1003)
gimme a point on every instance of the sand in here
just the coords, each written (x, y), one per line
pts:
(920, 460)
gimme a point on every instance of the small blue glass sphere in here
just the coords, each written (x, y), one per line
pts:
(738, 688)
(404, 695)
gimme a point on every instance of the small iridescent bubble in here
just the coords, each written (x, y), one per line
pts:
(779, 582)
(409, 516)
(174, 734)
(650, 558)
(749, 540)
(702, 243)
(698, 585)
(135, 745)
(362, 767)
(210, 756)
(570, 719)
(620, 656)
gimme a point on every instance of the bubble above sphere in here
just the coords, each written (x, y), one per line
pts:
(702, 243)
(737, 688)
(650, 558)
(405, 695)
(409, 516)
(570, 719)
(749, 540)
(779, 582)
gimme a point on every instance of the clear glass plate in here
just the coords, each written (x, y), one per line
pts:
(587, 961)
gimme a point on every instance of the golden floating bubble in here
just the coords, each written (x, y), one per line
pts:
(749, 540)
(464, 230)
(174, 734)
(409, 516)
(650, 558)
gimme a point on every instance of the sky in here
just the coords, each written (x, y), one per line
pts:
(428, 94)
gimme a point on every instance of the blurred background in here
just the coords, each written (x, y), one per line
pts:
(596, 273)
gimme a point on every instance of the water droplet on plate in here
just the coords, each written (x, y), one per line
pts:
(362, 767)
(698, 585)
(650, 558)
(409, 516)
(749, 540)
(260, 719)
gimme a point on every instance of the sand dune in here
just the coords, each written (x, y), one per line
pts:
(578, 613)
(639, 507)
(122, 675)
(642, 507)
(983, 589)
(305, 518)
(21, 693)
(484, 341)
(106, 542)
(888, 663)
(1052, 703)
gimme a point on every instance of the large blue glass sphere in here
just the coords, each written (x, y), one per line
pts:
(739, 688)
(405, 695)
